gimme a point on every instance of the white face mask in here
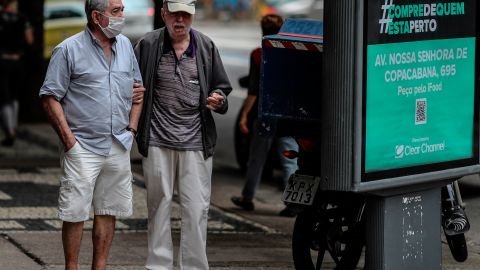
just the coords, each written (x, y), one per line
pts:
(115, 26)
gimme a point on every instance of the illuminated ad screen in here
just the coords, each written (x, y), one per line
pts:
(419, 92)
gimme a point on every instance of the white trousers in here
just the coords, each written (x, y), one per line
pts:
(192, 174)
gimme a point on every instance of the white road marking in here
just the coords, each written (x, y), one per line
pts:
(10, 224)
(13, 217)
(28, 212)
(4, 196)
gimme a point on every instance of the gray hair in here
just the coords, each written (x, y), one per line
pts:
(91, 5)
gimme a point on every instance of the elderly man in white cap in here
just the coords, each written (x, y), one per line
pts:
(185, 81)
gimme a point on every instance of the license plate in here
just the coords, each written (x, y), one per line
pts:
(301, 189)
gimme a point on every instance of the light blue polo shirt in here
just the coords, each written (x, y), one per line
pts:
(96, 96)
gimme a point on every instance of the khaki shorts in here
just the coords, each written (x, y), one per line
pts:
(89, 178)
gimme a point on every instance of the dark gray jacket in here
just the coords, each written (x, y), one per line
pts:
(212, 78)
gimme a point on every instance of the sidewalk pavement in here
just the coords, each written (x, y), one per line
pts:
(128, 251)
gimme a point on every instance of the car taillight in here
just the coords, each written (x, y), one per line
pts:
(265, 10)
(290, 154)
(306, 145)
(151, 12)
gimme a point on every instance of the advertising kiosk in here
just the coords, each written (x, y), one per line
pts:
(393, 94)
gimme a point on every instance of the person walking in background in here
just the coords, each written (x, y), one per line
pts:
(87, 95)
(15, 35)
(185, 81)
(260, 145)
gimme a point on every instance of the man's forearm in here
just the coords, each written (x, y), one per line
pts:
(248, 104)
(137, 104)
(135, 115)
(57, 119)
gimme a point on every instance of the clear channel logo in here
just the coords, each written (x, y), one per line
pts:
(399, 150)
(402, 151)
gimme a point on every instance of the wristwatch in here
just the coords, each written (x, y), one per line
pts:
(132, 130)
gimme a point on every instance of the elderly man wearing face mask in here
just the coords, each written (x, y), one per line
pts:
(92, 95)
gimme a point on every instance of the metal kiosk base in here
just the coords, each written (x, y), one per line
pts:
(403, 231)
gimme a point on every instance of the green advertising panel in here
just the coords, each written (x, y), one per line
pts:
(419, 103)
(419, 87)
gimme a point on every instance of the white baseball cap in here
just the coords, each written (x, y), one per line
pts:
(181, 5)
